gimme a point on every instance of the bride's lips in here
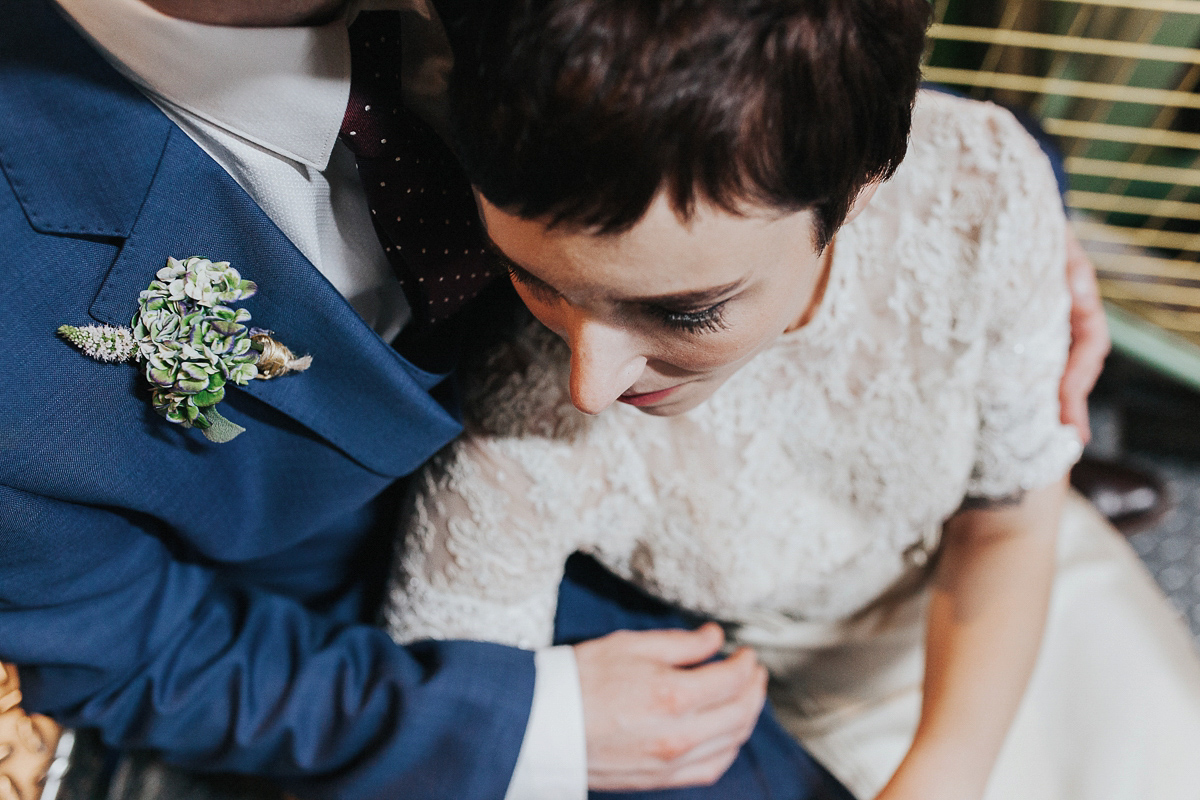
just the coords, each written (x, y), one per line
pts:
(647, 398)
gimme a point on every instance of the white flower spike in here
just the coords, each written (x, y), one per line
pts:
(101, 342)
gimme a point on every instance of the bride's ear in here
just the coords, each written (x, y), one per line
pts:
(864, 197)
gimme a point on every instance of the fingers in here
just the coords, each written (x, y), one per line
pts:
(1074, 412)
(688, 749)
(698, 773)
(705, 772)
(678, 648)
(1081, 274)
(705, 735)
(652, 719)
(1089, 338)
(711, 686)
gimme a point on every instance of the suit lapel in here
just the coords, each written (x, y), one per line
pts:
(68, 122)
(108, 163)
(359, 394)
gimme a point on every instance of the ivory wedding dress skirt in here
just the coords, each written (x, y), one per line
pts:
(801, 504)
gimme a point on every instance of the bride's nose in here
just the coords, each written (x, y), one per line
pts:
(604, 363)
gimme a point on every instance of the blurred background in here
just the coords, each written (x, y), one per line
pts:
(1116, 86)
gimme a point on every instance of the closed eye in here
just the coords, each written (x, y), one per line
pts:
(530, 282)
(705, 320)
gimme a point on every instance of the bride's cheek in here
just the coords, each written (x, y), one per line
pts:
(708, 352)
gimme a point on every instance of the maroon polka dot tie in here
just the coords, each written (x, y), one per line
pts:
(421, 203)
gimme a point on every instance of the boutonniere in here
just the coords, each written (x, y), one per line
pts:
(191, 342)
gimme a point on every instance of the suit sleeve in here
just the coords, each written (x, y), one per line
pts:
(160, 653)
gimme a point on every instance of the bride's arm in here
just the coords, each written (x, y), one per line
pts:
(477, 559)
(986, 616)
(490, 528)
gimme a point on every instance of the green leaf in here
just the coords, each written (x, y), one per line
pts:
(221, 430)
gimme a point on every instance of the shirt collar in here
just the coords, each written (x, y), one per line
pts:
(283, 89)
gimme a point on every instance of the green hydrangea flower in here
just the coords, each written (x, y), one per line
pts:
(191, 343)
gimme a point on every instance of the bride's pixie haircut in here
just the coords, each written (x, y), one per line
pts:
(581, 111)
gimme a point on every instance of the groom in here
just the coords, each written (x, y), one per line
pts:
(184, 569)
(203, 599)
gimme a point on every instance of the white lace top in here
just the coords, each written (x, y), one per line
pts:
(818, 477)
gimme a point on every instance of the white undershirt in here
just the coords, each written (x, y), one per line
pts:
(267, 104)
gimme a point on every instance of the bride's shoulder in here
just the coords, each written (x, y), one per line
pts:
(971, 223)
(967, 142)
(519, 387)
(974, 181)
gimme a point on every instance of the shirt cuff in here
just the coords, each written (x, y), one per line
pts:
(552, 764)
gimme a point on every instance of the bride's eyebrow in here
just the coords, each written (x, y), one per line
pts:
(693, 298)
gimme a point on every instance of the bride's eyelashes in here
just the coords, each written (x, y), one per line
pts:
(706, 320)
(518, 275)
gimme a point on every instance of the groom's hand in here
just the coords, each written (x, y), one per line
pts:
(1089, 338)
(653, 720)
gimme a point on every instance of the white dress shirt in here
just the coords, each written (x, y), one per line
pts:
(267, 105)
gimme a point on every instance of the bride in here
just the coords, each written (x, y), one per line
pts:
(787, 382)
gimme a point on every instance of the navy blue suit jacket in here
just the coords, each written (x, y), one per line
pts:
(205, 600)
(195, 598)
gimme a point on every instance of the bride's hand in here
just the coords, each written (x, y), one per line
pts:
(655, 721)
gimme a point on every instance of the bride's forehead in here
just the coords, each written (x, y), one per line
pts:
(674, 254)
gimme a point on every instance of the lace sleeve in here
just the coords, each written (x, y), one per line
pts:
(1022, 444)
(475, 560)
(491, 519)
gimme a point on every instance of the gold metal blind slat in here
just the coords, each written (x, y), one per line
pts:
(1149, 292)
(1183, 321)
(1112, 79)
(1121, 133)
(1112, 265)
(1063, 86)
(1137, 237)
(1133, 172)
(1098, 201)
(1065, 44)
(1168, 6)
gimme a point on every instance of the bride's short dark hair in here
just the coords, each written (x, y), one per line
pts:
(581, 111)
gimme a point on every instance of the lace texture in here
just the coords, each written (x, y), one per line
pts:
(818, 477)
